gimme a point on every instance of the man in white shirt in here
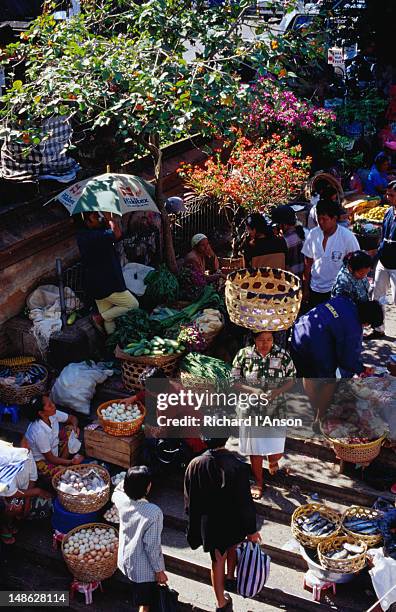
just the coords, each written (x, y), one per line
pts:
(324, 251)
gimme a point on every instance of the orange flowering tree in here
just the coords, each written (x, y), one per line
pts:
(256, 176)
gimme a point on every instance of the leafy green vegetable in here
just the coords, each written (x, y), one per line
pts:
(207, 368)
(134, 325)
(162, 287)
(209, 298)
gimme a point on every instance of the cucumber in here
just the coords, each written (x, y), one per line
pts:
(157, 352)
(158, 340)
(146, 351)
(139, 352)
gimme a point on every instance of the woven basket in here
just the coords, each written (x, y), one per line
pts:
(132, 367)
(9, 394)
(357, 453)
(114, 428)
(197, 384)
(83, 571)
(362, 513)
(266, 299)
(330, 179)
(344, 566)
(80, 503)
(229, 264)
(312, 541)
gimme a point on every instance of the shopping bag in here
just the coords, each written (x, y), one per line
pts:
(167, 600)
(252, 569)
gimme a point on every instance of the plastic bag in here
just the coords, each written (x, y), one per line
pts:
(252, 570)
(134, 275)
(73, 443)
(75, 386)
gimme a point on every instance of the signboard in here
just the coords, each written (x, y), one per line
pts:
(335, 57)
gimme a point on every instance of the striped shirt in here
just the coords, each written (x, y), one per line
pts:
(139, 552)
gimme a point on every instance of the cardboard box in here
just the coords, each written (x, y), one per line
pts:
(120, 450)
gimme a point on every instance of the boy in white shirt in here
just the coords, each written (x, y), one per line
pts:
(324, 251)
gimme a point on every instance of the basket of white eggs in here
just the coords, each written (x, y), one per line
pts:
(121, 418)
(82, 488)
(90, 551)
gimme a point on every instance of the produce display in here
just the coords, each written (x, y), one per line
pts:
(121, 413)
(362, 206)
(156, 346)
(362, 526)
(91, 545)
(366, 229)
(208, 368)
(352, 417)
(210, 322)
(118, 478)
(192, 337)
(315, 524)
(162, 287)
(75, 483)
(30, 375)
(112, 515)
(373, 214)
(191, 283)
(345, 551)
(208, 298)
(132, 326)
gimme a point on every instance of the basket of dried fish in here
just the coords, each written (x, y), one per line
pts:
(345, 554)
(315, 523)
(363, 523)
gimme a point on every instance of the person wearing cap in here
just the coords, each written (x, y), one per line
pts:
(285, 218)
(174, 205)
(202, 258)
(324, 251)
(377, 180)
(261, 240)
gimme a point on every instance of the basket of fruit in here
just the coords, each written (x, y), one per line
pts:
(136, 356)
(345, 554)
(363, 523)
(315, 523)
(121, 418)
(90, 551)
(19, 383)
(82, 488)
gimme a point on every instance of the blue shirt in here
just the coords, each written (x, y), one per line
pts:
(102, 269)
(356, 289)
(330, 336)
(376, 179)
(387, 248)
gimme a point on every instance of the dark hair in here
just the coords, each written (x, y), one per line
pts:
(371, 313)
(213, 443)
(358, 260)
(137, 481)
(284, 215)
(323, 188)
(300, 232)
(256, 221)
(150, 373)
(381, 157)
(327, 207)
(35, 406)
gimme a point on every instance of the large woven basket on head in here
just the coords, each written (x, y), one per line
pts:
(345, 566)
(115, 428)
(360, 512)
(132, 367)
(89, 572)
(266, 299)
(12, 394)
(80, 503)
(357, 453)
(312, 541)
(330, 179)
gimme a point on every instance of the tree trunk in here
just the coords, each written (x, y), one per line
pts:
(169, 251)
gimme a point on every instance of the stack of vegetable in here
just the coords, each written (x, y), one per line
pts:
(156, 346)
(361, 207)
(132, 326)
(204, 368)
(191, 283)
(162, 287)
(192, 338)
(373, 214)
(209, 297)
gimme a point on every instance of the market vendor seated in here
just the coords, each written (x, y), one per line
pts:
(49, 443)
(21, 496)
(202, 258)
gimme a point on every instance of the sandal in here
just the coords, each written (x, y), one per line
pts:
(7, 538)
(256, 491)
(227, 606)
(273, 467)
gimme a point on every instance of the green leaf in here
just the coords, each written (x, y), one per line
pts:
(17, 85)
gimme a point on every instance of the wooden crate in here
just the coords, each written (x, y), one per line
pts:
(122, 451)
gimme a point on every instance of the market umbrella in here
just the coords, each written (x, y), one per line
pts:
(114, 193)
